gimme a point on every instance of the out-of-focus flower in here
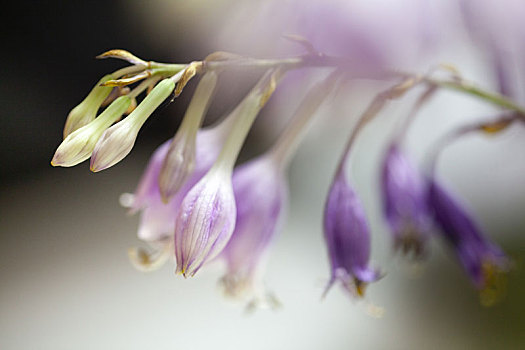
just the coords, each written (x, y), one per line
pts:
(207, 215)
(392, 34)
(78, 146)
(261, 196)
(497, 27)
(117, 141)
(180, 159)
(404, 202)
(86, 111)
(348, 238)
(482, 260)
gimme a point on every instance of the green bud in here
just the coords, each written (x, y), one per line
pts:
(87, 110)
(78, 146)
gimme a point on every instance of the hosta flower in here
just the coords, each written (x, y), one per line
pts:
(347, 236)
(205, 221)
(404, 202)
(180, 159)
(206, 218)
(86, 111)
(157, 218)
(118, 140)
(482, 260)
(78, 145)
(497, 27)
(260, 193)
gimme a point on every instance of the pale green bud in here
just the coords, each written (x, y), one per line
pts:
(117, 141)
(78, 146)
(87, 110)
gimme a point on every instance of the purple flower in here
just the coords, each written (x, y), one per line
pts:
(157, 220)
(261, 196)
(497, 28)
(404, 202)
(480, 258)
(347, 237)
(207, 215)
(205, 221)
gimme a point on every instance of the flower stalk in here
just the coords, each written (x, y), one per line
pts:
(180, 160)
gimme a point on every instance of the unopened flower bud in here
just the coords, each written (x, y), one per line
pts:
(205, 222)
(78, 146)
(86, 111)
(206, 218)
(118, 140)
(404, 203)
(483, 261)
(348, 239)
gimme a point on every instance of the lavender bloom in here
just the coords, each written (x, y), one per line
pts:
(479, 256)
(404, 202)
(497, 27)
(347, 237)
(157, 220)
(205, 221)
(207, 215)
(261, 196)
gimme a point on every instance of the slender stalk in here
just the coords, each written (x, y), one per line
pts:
(289, 140)
(469, 89)
(340, 62)
(143, 86)
(325, 61)
(245, 115)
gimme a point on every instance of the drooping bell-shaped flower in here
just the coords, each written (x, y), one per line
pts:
(205, 221)
(404, 202)
(482, 260)
(157, 218)
(117, 141)
(78, 145)
(86, 111)
(348, 238)
(207, 215)
(180, 159)
(261, 194)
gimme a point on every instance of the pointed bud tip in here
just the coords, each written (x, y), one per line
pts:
(165, 199)
(56, 160)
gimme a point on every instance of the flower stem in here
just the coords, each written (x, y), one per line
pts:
(470, 89)
(244, 115)
(287, 143)
(320, 60)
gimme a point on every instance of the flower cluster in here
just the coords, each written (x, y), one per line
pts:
(197, 206)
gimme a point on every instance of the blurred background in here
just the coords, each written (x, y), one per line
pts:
(66, 281)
